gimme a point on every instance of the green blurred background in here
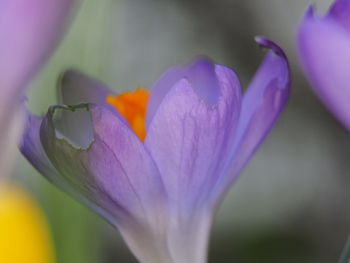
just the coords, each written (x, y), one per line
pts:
(290, 204)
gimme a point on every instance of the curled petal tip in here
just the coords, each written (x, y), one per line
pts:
(267, 43)
(283, 63)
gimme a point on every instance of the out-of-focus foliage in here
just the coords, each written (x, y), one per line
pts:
(345, 256)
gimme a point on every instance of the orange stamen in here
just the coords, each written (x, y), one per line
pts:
(132, 106)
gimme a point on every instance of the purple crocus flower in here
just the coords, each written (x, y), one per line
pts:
(324, 51)
(162, 190)
(29, 31)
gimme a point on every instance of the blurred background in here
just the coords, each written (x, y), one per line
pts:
(291, 204)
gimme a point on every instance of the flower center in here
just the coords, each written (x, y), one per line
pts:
(132, 106)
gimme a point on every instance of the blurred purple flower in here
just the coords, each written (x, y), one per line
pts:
(29, 31)
(324, 51)
(161, 193)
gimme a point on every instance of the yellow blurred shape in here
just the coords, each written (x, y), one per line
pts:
(24, 235)
(132, 106)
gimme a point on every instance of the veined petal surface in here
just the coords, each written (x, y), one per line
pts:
(190, 141)
(33, 151)
(114, 176)
(200, 74)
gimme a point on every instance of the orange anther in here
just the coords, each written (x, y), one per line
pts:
(132, 106)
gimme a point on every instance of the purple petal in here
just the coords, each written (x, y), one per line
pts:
(340, 11)
(324, 52)
(262, 104)
(188, 238)
(33, 151)
(97, 177)
(161, 89)
(200, 74)
(31, 147)
(202, 77)
(189, 140)
(115, 165)
(75, 88)
(273, 72)
(29, 31)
